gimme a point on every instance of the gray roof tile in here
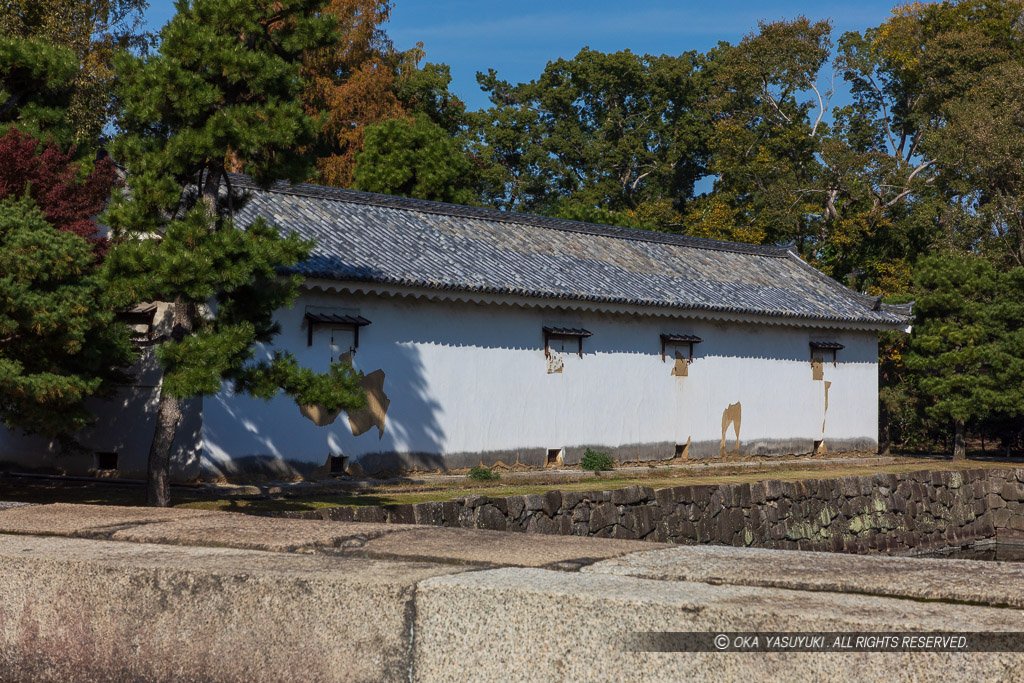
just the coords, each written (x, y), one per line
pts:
(362, 236)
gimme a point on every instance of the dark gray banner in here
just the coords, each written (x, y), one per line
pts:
(825, 641)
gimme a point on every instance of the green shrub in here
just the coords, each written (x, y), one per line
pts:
(596, 461)
(481, 473)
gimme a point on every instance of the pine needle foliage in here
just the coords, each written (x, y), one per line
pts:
(225, 83)
(59, 341)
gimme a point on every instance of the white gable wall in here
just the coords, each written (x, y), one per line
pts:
(468, 383)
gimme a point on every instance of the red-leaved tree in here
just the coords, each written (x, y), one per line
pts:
(69, 200)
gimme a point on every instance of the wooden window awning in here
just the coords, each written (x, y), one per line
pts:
(334, 320)
(577, 333)
(680, 339)
(819, 353)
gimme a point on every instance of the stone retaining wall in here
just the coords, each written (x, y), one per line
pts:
(882, 512)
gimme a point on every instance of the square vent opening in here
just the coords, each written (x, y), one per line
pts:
(338, 465)
(106, 461)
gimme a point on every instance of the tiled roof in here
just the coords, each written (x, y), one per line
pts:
(368, 237)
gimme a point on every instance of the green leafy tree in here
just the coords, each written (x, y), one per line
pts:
(767, 115)
(1007, 315)
(979, 154)
(425, 90)
(416, 158)
(611, 131)
(59, 341)
(226, 81)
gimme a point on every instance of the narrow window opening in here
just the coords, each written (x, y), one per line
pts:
(682, 343)
(819, 446)
(561, 335)
(681, 450)
(343, 344)
(106, 461)
(554, 456)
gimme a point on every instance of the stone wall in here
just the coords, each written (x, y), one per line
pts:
(882, 512)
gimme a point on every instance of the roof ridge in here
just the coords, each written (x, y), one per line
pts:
(446, 209)
(873, 302)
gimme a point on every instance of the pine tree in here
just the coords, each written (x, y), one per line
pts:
(225, 82)
(59, 341)
(955, 346)
(91, 32)
(36, 87)
(415, 158)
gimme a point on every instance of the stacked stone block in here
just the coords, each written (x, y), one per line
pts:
(881, 512)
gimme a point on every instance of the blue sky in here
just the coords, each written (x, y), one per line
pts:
(517, 38)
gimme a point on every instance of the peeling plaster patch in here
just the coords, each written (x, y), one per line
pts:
(319, 416)
(731, 416)
(681, 367)
(827, 385)
(555, 363)
(376, 410)
(817, 363)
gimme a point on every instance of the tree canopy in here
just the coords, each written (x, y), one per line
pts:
(614, 131)
(415, 158)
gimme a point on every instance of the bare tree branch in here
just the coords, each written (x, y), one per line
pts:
(775, 105)
(822, 105)
(885, 111)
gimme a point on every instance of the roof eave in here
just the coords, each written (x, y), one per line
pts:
(491, 295)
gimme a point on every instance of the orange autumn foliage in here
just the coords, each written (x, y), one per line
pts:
(352, 84)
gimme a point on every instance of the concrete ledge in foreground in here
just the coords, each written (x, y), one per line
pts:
(116, 594)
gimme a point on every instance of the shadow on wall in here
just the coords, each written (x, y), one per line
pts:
(125, 426)
(276, 440)
(412, 418)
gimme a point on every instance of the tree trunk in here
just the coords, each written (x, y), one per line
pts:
(959, 444)
(884, 441)
(168, 417)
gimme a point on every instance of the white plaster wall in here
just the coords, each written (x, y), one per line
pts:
(472, 379)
